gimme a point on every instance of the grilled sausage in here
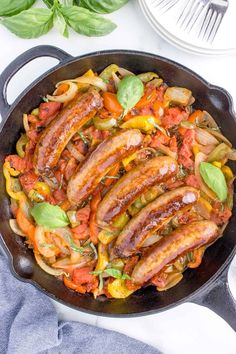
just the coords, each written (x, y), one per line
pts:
(57, 135)
(132, 185)
(101, 160)
(152, 217)
(180, 241)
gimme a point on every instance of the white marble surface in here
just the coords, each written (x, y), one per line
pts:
(186, 328)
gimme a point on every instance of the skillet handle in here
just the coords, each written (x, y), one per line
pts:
(18, 63)
(217, 297)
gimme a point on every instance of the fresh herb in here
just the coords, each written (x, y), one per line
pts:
(83, 138)
(102, 6)
(215, 179)
(116, 273)
(31, 23)
(27, 22)
(86, 22)
(50, 216)
(47, 245)
(189, 256)
(109, 177)
(157, 126)
(130, 90)
(13, 7)
(45, 99)
(112, 272)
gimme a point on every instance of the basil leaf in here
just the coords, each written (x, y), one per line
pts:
(51, 216)
(215, 179)
(30, 23)
(66, 2)
(130, 90)
(49, 3)
(60, 23)
(115, 273)
(85, 22)
(13, 7)
(125, 276)
(103, 6)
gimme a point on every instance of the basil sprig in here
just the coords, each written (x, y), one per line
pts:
(113, 272)
(215, 179)
(130, 90)
(49, 216)
(102, 6)
(85, 22)
(13, 7)
(30, 23)
(82, 17)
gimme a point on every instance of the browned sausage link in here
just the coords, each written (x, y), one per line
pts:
(152, 217)
(57, 135)
(132, 185)
(180, 241)
(100, 161)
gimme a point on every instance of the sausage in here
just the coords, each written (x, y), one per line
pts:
(180, 241)
(152, 217)
(59, 132)
(132, 185)
(100, 161)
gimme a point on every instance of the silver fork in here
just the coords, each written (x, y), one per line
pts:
(191, 13)
(164, 5)
(212, 20)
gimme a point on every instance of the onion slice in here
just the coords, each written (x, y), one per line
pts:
(94, 80)
(15, 228)
(124, 72)
(219, 136)
(205, 138)
(74, 152)
(67, 96)
(46, 267)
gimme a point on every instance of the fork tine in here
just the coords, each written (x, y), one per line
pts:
(210, 25)
(204, 22)
(214, 29)
(185, 13)
(192, 14)
(163, 4)
(157, 2)
(167, 8)
(197, 16)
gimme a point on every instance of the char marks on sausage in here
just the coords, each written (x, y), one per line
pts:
(152, 217)
(180, 241)
(57, 135)
(132, 185)
(100, 161)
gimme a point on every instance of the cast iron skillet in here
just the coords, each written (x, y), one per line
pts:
(207, 285)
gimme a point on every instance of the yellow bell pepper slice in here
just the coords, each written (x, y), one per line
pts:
(102, 257)
(21, 144)
(105, 237)
(8, 172)
(217, 164)
(144, 123)
(227, 172)
(128, 159)
(118, 289)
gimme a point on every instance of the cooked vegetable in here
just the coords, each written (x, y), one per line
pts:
(130, 90)
(219, 153)
(47, 215)
(178, 95)
(215, 179)
(144, 123)
(118, 186)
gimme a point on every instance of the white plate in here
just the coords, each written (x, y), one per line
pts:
(165, 25)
